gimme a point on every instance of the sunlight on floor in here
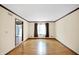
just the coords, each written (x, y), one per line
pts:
(41, 47)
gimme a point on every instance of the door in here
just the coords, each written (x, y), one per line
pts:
(19, 32)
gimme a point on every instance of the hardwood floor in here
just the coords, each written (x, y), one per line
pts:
(41, 47)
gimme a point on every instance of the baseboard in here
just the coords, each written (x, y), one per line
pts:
(40, 38)
(67, 47)
(44, 38)
(15, 47)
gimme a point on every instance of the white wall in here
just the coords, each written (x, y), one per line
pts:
(26, 32)
(51, 30)
(67, 31)
(7, 30)
(31, 30)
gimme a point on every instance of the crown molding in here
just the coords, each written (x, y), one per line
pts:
(40, 21)
(13, 12)
(67, 14)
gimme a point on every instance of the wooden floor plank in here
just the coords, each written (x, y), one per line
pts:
(41, 47)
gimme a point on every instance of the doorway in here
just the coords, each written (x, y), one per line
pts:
(19, 32)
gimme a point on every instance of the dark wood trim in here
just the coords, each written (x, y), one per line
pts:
(13, 12)
(67, 47)
(13, 49)
(41, 38)
(41, 21)
(16, 47)
(58, 41)
(67, 14)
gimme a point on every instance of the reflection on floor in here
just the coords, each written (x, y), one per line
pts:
(41, 47)
(18, 40)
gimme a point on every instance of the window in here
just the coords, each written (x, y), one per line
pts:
(41, 29)
(18, 30)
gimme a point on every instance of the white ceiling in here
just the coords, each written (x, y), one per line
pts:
(41, 12)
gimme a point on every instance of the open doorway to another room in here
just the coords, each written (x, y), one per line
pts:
(19, 32)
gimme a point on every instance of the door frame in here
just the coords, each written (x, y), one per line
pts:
(22, 30)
